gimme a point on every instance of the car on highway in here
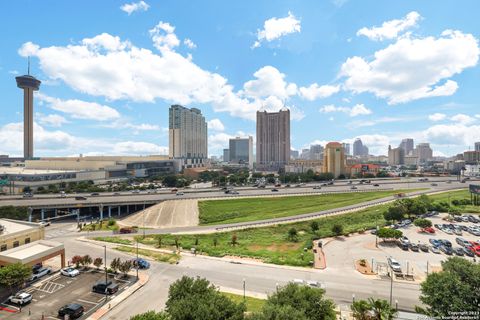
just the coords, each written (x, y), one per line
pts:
(105, 287)
(116, 193)
(70, 272)
(317, 187)
(141, 263)
(94, 194)
(315, 284)
(80, 198)
(44, 223)
(396, 267)
(40, 273)
(72, 310)
(28, 195)
(353, 188)
(63, 194)
(376, 185)
(274, 190)
(136, 191)
(20, 298)
(434, 184)
(179, 193)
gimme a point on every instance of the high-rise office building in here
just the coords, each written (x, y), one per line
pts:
(316, 152)
(334, 159)
(187, 136)
(294, 154)
(241, 151)
(226, 155)
(305, 154)
(359, 149)
(423, 152)
(346, 148)
(407, 146)
(29, 84)
(396, 156)
(273, 139)
(477, 146)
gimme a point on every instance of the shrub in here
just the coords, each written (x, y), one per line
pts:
(111, 222)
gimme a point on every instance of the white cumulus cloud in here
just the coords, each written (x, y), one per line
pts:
(79, 109)
(413, 68)
(314, 91)
(356, 110)
(134, 6)
(189, 43)
(437, 116)
(275, 28)
(51, 120)
(463, 119)
(216, 125)
(390, 29)
(163, 36)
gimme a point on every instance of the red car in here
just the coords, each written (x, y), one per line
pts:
(475, 249)
(428, 230)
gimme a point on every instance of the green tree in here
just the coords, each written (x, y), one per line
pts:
(292, 235)
(159, 240)
(361, 310)
(381, 309)
(298, 302)
(197, 299)
(151, 315)
(97, 262)
(454, 289)
(115, 264)
(215, 241)
(423, 223)
(388, 233)
(14, 275)
(337, 229)
(125, 267)
(170, 181)
(11, 212)
(314, 226)
(395, 213)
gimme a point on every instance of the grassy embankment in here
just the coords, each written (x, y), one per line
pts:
(252, 209)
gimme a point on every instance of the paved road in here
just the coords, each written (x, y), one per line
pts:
(259, 280)
(110, 199)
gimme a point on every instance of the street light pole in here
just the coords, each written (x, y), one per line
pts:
(143, 216)
(243, 289)
(106, 273)
(391, 285)
(137, 260)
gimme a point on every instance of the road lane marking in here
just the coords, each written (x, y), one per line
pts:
(86, 301)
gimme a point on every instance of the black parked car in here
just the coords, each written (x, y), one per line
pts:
(468, 252)
(73, 310)
(101, 286)
(413, 247)
(458, 251)
(423, 247)
(446, 250)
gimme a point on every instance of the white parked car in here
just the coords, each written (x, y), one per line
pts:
(180, 193)
(298, 281)
(20, 298)
(44, 223)
(70, 272)
(315, 284)
(394, 264)
(40, 273)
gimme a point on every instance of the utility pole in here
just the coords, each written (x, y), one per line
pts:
(106, 273)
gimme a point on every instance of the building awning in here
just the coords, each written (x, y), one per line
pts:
(31, 253)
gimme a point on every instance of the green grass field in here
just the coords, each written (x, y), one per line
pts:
(253, 304)
(270, 244)
(251, 209)
(158, 256)
(113, 240)
(456, 195)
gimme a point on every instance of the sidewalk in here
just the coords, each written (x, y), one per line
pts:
(142, 280)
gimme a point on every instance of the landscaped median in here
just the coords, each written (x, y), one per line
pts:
(251, 209)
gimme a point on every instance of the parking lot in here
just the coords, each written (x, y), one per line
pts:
(50, 294)
(342, 252)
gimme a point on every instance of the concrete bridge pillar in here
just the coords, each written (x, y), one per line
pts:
(118, 211)
(42, 213)
(101, 211)
(109, 211)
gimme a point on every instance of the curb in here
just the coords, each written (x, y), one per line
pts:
(98, 314)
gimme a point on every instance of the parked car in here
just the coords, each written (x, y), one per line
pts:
(20, 298)
(70, 272)
(428, 230)
(180, 193)
(126, 230)
(404, 240)
(315, 284)
(73, 310)
(435, 242)
(446, 243)
(396, 267)
(404, 246)
(458, 251)
(435, 250)
(423, 247)
(102, 287)
(462, 242)
(413, 247)
(141, 263)
(446, 250)
(40, 273)
(468, 252)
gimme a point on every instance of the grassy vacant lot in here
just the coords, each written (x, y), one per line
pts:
(113, 240)
(457, 195)
(251, 209)
(158, 256)
(271, 244)
(253, 304)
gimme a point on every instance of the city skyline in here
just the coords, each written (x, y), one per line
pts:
(308, 62)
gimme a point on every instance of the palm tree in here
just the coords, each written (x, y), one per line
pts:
(381, 309)
(361, 310)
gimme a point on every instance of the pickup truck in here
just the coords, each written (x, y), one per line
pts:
(102, 286)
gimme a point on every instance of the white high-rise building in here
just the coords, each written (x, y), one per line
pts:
(187, 136)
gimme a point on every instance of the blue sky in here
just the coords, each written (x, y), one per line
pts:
(379, 70)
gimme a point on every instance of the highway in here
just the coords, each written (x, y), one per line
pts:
(108, 199)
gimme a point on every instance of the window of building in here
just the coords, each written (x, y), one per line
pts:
(3, 247)
(16, 244)
(27, 240)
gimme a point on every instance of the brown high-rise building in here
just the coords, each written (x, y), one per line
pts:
(273, 139)
(29, 84)
(334, 159)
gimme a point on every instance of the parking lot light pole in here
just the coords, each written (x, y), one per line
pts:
(391, 285)
(396, 305)
(243, 289)
(353, 297)
(137, 260)
(106, 273)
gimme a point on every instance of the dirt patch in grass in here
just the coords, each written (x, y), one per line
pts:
(365, 268)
